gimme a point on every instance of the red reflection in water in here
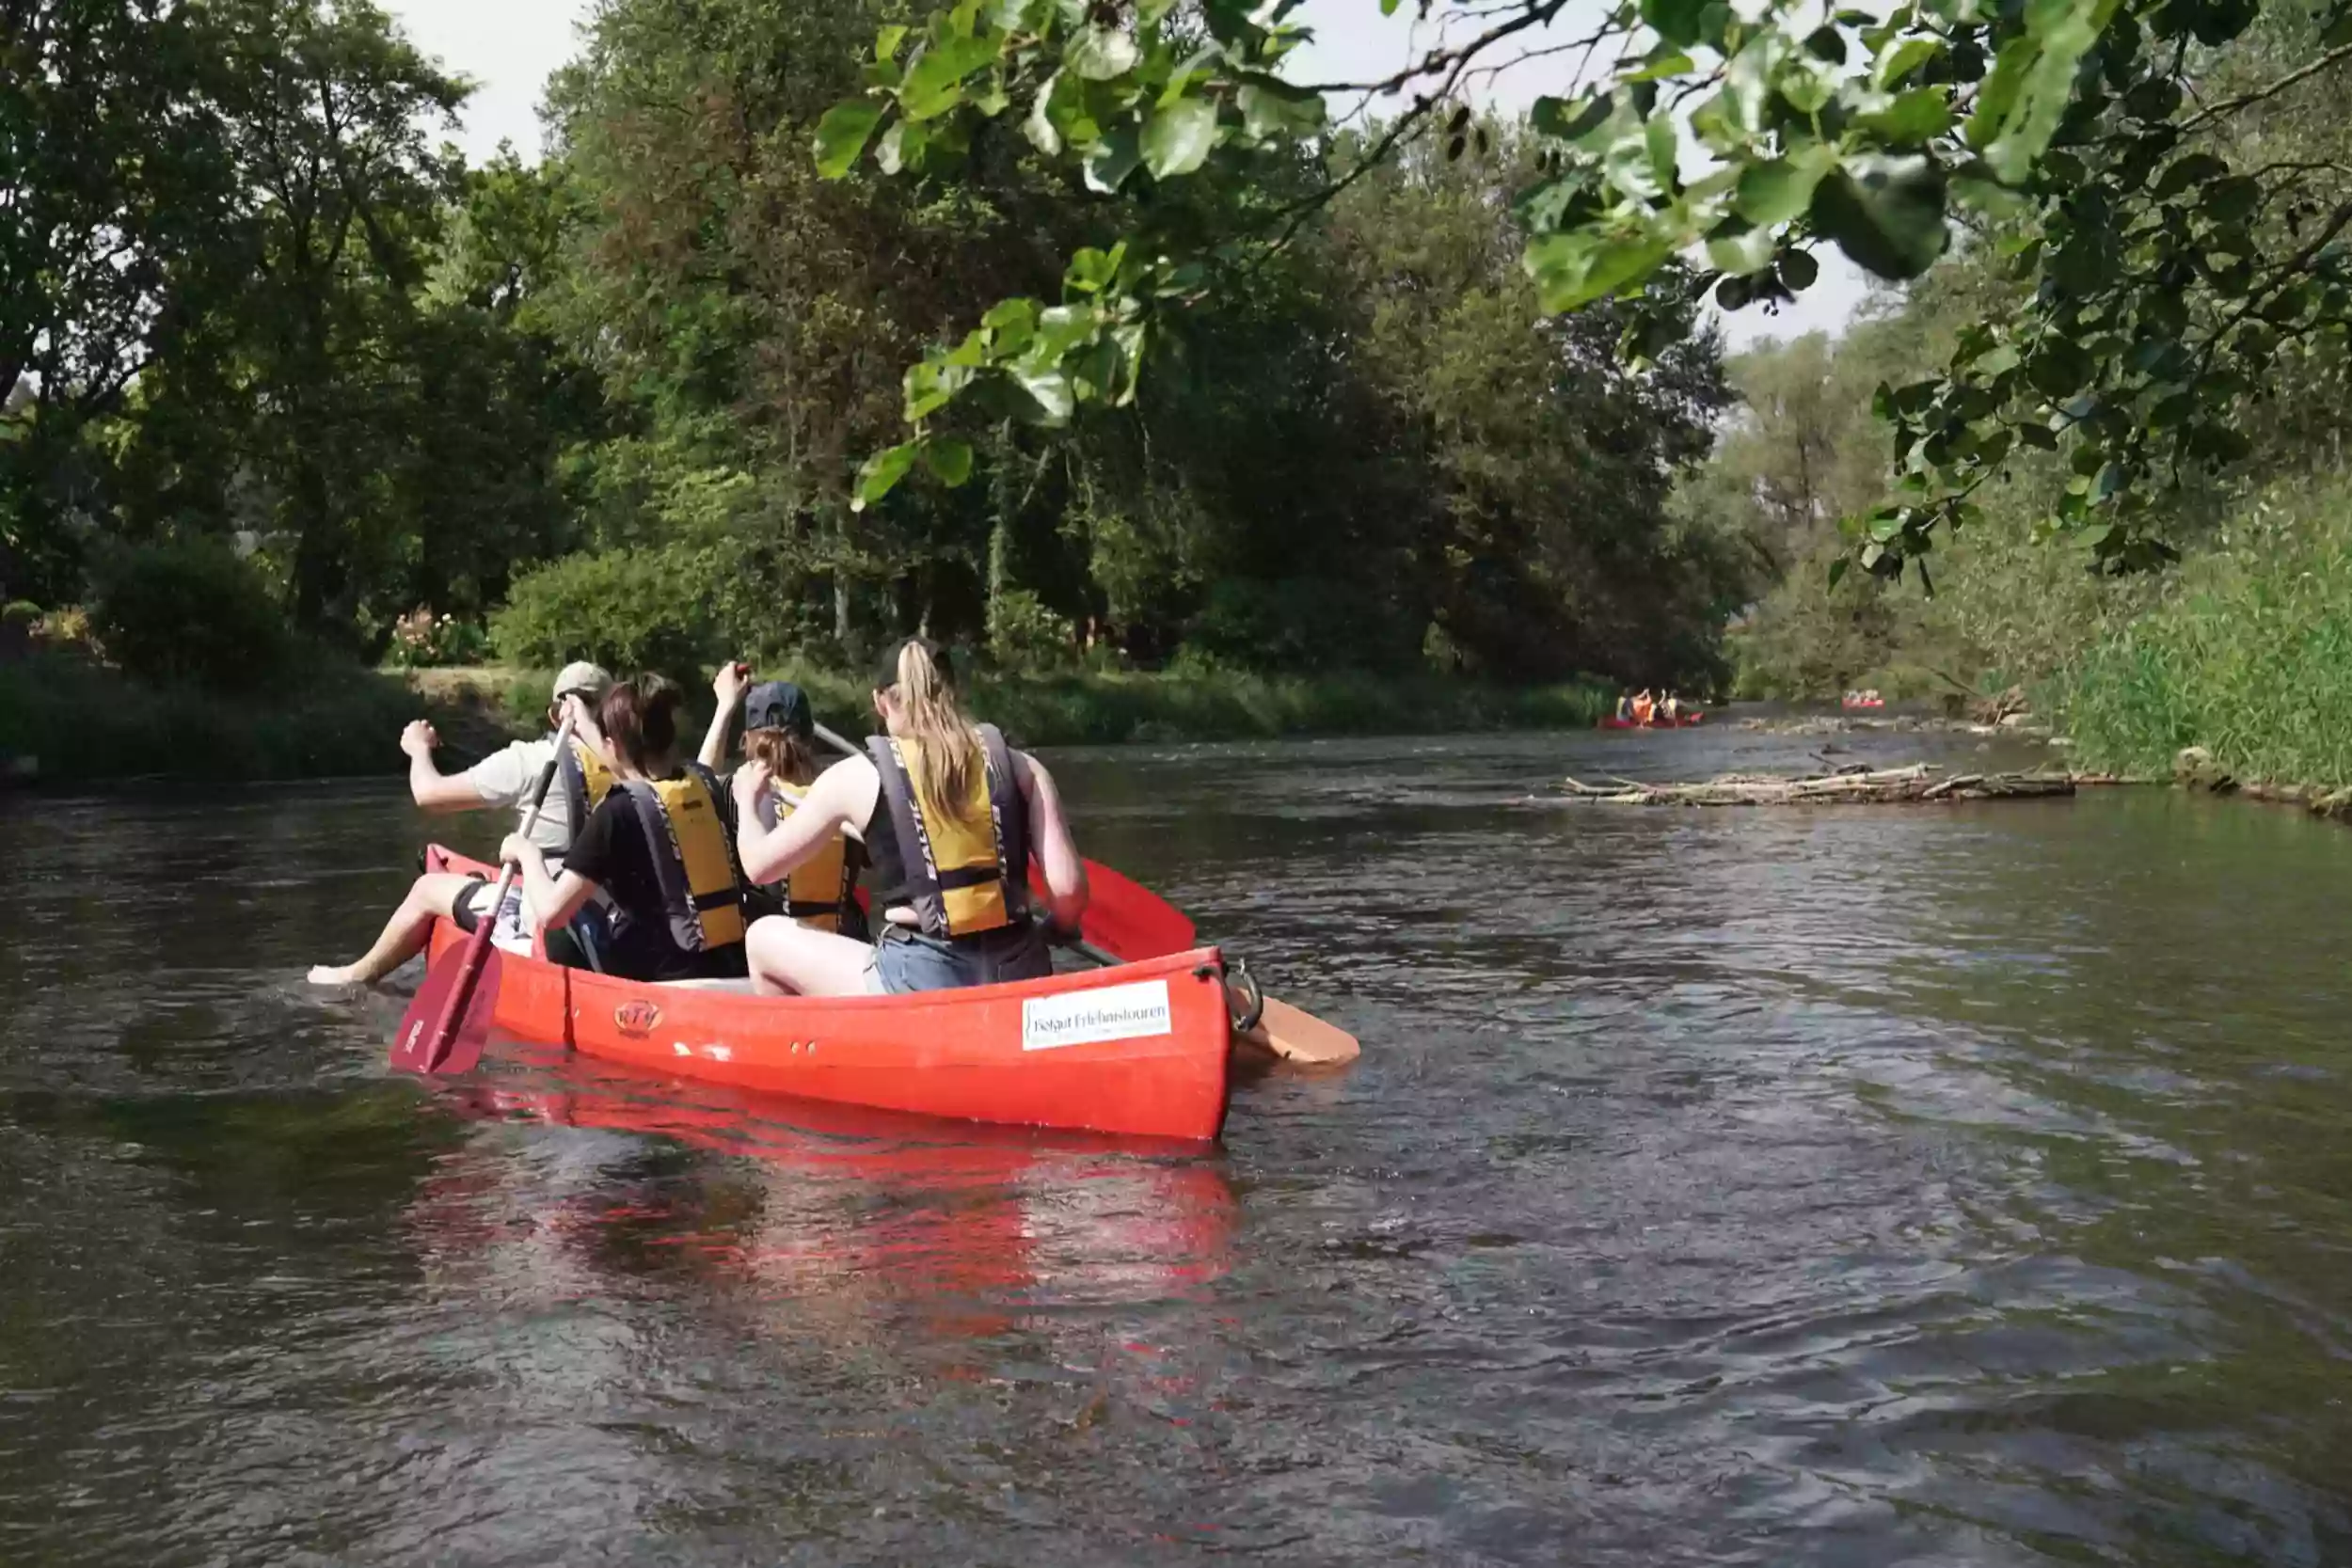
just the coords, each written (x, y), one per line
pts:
(843, 1214)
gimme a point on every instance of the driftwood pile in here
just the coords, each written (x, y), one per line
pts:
(1854, 785)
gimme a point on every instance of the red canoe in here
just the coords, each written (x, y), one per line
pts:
(1141, 1048)
(1610, 722)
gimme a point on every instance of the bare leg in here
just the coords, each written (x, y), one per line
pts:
(404, 935)
(788, 958)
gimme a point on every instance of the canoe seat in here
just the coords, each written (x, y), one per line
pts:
(733, 988)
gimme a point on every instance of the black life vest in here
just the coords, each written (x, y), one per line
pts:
(693, 840)
(961, 866)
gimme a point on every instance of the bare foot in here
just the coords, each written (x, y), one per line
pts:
(328, 974)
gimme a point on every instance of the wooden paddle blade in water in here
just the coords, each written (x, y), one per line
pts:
(412, 1047)
(1300, 1037)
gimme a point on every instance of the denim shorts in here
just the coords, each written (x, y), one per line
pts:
(905, 960)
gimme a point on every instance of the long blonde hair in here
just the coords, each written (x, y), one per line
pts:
(948, 753)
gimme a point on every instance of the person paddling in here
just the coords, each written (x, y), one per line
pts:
(659, 846)
(503, 780)
(780, 729)
(950, 816)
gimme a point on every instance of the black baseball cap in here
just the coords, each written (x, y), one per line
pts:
(778, 705)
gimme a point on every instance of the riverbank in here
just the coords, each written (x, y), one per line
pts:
(65, 719)
(82, 722)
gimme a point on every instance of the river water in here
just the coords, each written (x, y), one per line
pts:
(1852, 1186)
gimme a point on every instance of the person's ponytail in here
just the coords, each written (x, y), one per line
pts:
(639, 719)
(948, 757)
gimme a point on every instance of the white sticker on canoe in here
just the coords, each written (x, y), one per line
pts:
(1091, 1017)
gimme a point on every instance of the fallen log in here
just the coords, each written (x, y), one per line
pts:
(1918, 783)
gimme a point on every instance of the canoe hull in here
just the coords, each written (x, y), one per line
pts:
(1143, 1048)
(1687, 720)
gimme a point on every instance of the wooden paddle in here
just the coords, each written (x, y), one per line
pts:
(1290, 1033)
(1125, 916)
(445, 1026)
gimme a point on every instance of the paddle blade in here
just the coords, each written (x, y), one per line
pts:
(1126, 919)
(412, 1048)
(1295, 1036)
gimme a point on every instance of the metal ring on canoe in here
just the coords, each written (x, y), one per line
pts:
(1238, 972)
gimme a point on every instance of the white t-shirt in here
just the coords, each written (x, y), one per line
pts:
(507, 778)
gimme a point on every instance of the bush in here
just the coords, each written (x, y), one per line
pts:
(1304, 623)
(189, 610)
(1023, 634)
(423, 640)
(628, 610)
(20, 616)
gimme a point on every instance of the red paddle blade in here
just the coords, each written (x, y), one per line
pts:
(1125, 918)
(412, 1047)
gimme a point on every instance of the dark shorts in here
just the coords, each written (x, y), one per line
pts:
(905, 961)
(469, 907)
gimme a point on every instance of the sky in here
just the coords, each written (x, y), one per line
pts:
(509, 48)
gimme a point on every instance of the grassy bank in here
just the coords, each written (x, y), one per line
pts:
(81, 722)
(2247, 653)
(1102, 709)
(86, 722)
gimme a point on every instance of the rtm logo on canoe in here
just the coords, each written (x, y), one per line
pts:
(636, 1019)
(1091, 1017)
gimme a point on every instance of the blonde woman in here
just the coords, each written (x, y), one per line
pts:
(952, 817)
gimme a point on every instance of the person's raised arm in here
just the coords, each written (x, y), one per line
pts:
(831, 804)
(727, 687)
(1056, 852)
(432, 789)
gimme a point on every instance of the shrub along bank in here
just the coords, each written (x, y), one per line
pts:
(84, 722)
(2247, 653)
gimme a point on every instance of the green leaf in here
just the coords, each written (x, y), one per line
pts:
(1837, 569)
(1918, 116)
(1576, 268)
(1091, 271)
(1678, 21)
(1770, 194)
(900, 146)
(1571, 120)
(1661, 66)
(1903, 57)
(1179, 136)
(949, 459)
(842, 133)
(1749, 79)
(1038, 127)
(886, 41)
(2197, 169)
(1741, 254)
(1011, 323)
(881, 473)
(2019, 108)
(1050, 398)
(1798, 270)
(934, 83)
(2231, 200)
(1111, 160)
(1886, 212)
(1101, 53)
(1272, 107)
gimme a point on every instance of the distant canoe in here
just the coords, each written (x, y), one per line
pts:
(1612, 722)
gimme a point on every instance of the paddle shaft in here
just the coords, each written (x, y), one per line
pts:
(461, 994)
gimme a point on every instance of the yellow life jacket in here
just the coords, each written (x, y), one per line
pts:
(822, 893)
(693, 840)
(958, 865)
